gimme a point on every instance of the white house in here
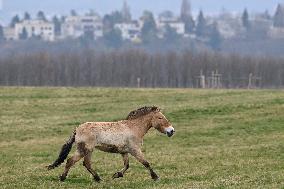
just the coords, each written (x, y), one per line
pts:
(173, 22)
(77, 26)
(276, 33)
(261, 26)
(9, 33)
(130, 31)
(229, 28)
(36, 28)
(229, 25)
(179, 27)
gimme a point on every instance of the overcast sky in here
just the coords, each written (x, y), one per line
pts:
(10, 7)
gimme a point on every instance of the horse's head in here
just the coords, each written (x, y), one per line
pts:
(160, 122)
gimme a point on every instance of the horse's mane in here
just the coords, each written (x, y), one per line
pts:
(142, 111)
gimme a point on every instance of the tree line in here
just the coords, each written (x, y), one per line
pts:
(124, 68)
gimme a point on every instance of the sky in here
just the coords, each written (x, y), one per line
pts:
(11, 7)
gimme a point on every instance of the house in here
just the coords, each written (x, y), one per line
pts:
(229, 25)
(179, 27)
(171, 21)
(35, 28)
(229, 28)
(130, 31)
(9, 33)
(261, 27)
(276, 33)
(77, 26)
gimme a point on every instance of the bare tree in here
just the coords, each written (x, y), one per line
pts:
(121, 68)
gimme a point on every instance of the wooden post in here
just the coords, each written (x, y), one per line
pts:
(218, 79)
(213, 84)
(202, 80)
(138, 82)
(250, 81)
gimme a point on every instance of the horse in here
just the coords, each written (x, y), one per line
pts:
(123, 137)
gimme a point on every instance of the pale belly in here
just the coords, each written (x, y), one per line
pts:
(112, 142)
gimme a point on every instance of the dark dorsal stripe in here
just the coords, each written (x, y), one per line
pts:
(141, 112)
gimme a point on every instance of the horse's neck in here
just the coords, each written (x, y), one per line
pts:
(142, 125)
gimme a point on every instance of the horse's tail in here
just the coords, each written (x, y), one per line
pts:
(65, 150)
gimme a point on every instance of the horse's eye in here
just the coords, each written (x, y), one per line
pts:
(160, 118)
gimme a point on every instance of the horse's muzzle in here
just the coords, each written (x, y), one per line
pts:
(170, 131)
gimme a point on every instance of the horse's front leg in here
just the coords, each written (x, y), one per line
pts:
(137, 153)
(126, 166)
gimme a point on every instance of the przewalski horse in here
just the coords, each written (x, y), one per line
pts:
(123, 137)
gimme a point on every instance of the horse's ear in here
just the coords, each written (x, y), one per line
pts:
(131, 114)
(156, 109)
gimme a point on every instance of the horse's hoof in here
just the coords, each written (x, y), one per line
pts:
(117, 175)
(155, 177)
(62, 178)
(97, 178)
(50, 167)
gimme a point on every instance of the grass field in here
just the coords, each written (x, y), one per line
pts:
(224, 138)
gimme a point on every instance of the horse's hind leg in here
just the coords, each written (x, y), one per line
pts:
(79, 154)
(126, 166)
(70, 162)
(140, 157)
(87, 164)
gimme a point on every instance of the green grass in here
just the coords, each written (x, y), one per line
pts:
(224, 138)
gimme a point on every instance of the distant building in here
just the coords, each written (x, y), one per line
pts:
(167, 18)
(77, 26)
(178, 26)
(173, 22)
(229, 25)
(229, 29)
(36, 28)
(276, 33)
(261, 27)
(9, 34)
(130, 31)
